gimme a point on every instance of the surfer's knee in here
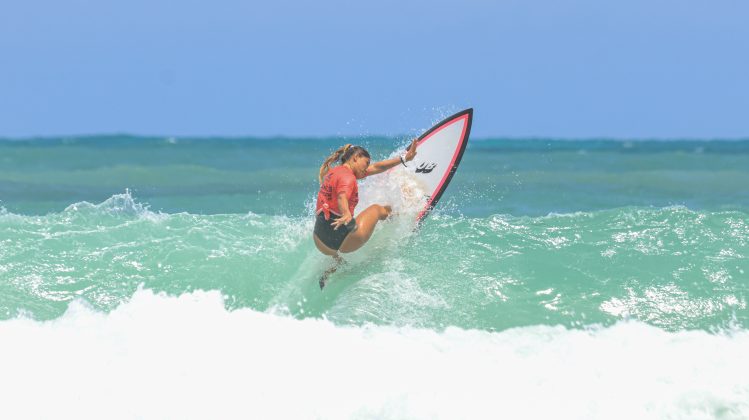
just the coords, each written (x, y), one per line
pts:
(384, 212)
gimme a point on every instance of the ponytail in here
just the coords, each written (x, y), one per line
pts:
(329, 161)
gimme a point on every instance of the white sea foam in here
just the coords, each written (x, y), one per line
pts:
(396, 188)
(119, 204)
(188, 357)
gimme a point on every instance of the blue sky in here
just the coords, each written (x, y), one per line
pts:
(561, 68)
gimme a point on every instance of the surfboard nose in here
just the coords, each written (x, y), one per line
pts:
(440, 150)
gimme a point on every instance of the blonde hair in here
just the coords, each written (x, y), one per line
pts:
(344, 153)
(329, 161)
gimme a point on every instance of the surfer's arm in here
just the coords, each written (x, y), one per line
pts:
(382, 166)
(345, 213)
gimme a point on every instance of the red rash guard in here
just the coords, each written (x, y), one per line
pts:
(340, 179)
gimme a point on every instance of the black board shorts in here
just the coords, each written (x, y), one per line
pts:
(332, 238)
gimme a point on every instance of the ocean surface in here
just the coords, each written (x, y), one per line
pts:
(162, 277)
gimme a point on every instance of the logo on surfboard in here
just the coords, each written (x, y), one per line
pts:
(425, 167)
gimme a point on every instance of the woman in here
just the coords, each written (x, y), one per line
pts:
(336, 230)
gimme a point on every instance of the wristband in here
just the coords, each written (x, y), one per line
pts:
(402, 160)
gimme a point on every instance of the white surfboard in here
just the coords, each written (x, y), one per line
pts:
(438, 155)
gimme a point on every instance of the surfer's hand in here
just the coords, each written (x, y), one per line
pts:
(411, 152)
(341, 221)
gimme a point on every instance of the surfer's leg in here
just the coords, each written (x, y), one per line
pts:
(324, 248)
(365, 224)
(337, 262)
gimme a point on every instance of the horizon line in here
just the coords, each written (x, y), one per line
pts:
(361, 136)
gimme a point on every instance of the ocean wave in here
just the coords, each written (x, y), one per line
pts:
(673, 267)
(158, 356)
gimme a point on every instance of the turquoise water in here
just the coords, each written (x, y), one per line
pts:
(530, 232)
(539, 249)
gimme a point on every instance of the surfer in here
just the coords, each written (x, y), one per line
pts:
(336, 229)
